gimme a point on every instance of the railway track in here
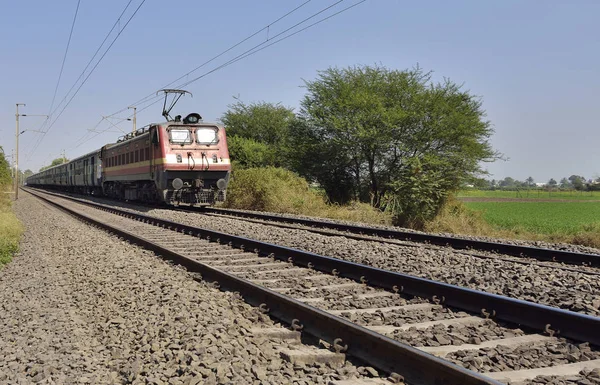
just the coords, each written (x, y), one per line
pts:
(374, 312)
(407, 238)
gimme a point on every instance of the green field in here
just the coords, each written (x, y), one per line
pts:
(541, 217)
(530, 194)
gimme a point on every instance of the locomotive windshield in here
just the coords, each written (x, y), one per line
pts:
(180, 136)
(206, 136)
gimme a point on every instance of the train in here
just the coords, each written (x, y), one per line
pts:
(177, 162)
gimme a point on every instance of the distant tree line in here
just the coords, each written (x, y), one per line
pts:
(393, 138)
(574, 182)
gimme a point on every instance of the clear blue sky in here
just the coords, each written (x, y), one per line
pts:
(536, 64)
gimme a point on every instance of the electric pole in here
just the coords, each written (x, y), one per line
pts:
(134, 113)
(17, 133)
(17, 153)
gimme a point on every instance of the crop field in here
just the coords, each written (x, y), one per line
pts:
(564, 218)
(530, 194)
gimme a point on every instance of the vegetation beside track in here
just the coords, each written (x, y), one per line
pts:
(281, 191)
(10, 227)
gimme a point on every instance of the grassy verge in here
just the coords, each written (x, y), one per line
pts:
(10, 229)
(281, 191)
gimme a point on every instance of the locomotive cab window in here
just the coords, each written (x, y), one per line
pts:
(179, 136)
(207, 135)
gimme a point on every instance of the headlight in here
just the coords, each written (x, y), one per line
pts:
(206, 136)
(180, 136)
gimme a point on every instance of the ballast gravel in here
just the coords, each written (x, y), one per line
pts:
(575, 291)
(80, 306)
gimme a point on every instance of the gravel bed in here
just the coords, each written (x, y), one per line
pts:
(503, 358)
(402, 317)
(439, 335)
(561, 288)
(331, 292)
(353, 302)
(80, 306)
(585, 377)
(303, 283)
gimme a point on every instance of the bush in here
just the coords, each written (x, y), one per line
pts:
(416, 196)
(272, 189)
(248, 153)
(282, 191)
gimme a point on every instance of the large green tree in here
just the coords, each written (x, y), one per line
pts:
(378, 134)
(5, 175)
(257, 133)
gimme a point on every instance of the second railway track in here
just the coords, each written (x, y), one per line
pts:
(505, 339)
(527, 253)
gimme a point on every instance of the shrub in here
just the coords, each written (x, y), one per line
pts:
(272, 189)
(282, 191)
(248, 153)
(416, 196)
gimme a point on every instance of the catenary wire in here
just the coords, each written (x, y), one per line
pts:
(90, 73)
(152, 95)
(247, 53)
(64, 58)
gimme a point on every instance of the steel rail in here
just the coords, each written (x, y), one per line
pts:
(542, 254)
(550, 319)
(382, 352)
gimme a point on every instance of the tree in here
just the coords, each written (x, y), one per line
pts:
(55, 162)
(552, 182)
(507, 182)
(370, 128)
(259, 127)
(530, 181)
(564, 183)
(5, 175)
(578, 182)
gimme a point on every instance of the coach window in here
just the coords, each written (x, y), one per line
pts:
(147, 153)
(141, 154)
(137, 156)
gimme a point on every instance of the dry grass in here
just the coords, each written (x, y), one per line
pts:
(10, 229)
(281, 191)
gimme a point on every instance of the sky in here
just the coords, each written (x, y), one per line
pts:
(534, 63)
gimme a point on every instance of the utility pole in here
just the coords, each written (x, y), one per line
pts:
(17, 133)
(64, 157)
(17, 153)
(134, 116)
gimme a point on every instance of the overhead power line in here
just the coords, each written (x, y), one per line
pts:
(266, 27)
(92, 70)
(257, 48)
(64, 58)
(153, 99)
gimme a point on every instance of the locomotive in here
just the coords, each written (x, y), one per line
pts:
(180, 161)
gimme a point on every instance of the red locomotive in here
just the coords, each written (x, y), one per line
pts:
(181, 161)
